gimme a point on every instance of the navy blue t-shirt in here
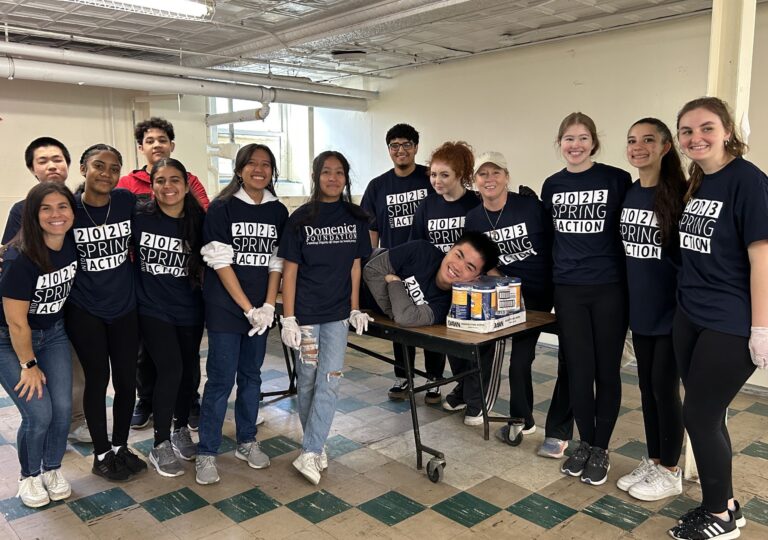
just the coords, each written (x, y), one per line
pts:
(104, 286)
(13, 224)
(46, 292)
(163, 289)
(727, 213)
(585, 209)
(651, 268)
(417, 263)
(253, 231)
(523, 232)
(325, 252)
(392, 200)
(440, 221)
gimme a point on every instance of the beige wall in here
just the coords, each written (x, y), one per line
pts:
(80, 116)
(513, 101)
(77, 116)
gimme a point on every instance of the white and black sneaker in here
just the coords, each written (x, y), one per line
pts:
(433, 396)
(738, 515)
(701, 525)
(454, 402)
(399, 390)
(574, 465)
(597, 467)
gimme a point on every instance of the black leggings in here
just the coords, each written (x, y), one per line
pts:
(175, 353)
(560, 416)
(434, 362)
(99, 345)
(660, 395)
(713, 366)
(593, 325)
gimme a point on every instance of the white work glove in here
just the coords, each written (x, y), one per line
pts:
(758, 346)
(359, 321)
(260, 318)
(291, 333)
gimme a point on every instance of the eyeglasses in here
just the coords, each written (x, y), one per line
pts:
(395, 147)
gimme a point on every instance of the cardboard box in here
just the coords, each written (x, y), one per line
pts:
(485, 327)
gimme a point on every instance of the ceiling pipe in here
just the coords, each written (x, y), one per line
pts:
(89, 59)
(235, 117)
(13, 68)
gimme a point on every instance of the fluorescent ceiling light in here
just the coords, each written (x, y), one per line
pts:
(174, 9)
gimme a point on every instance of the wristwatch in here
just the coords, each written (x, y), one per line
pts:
(26, 365)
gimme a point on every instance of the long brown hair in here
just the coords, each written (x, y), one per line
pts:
(734, 145)
(668, 199)
(30, 239)
(241, 160)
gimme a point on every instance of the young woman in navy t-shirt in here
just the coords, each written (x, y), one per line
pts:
(242, 230)
(585, 200)
(649, 217)
(101, 314)
(720, 329)
(322, 247)
(523, 232)
(35, 361)
(440, 220)
(168, 235)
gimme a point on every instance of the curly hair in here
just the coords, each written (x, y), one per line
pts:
(459, 157)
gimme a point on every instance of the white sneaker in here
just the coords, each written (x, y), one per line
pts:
(658, 484)
(57, 486)
(32, 492)
(307, 465)
(640, 472)
(322, 460)
(80, 434)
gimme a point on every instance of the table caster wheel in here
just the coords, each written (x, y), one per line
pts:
(435, 469)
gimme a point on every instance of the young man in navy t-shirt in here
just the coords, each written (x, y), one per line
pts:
(48, 160)
(391, 199)
(412, 283)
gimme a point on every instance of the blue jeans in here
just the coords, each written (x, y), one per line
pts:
(42, 435)
(231, 357)
(319, 374)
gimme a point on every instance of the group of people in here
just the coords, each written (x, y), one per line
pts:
(682, 263)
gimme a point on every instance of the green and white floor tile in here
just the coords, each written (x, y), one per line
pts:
(372, 488)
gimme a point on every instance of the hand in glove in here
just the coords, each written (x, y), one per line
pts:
(359, 321)
(291, 333)
(260, 318)
(758, 346)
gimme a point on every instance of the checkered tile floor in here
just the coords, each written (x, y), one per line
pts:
(372, 488)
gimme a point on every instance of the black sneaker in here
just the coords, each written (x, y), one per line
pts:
(433, 396)
(692, 514)
(400, 390)
(111, 468)
(454, 402)
(510, 434)
(142, 414)
(574, 465)
(193, 421)
(597, 467)
(702, 525)
(132, 462)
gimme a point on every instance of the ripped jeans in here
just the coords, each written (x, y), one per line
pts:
(319, 374)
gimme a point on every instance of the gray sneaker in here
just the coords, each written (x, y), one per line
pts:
(206, 472)
(182, 443)
(252, 453)
(165, 461)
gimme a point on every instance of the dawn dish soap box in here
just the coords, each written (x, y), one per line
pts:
(487, 304)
